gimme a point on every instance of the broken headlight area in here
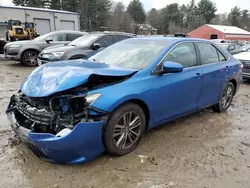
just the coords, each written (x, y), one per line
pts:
(53, 114)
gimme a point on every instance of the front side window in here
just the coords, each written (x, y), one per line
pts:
(208, 53)
(105, 41)
(59, 37)
(184, 54)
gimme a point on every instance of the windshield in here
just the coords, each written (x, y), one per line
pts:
(85, 40)
(134, 54)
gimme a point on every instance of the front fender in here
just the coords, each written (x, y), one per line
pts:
(114, 104)
(35, 48)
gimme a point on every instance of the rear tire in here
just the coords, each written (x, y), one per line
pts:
(29, 58)
(225, 99)
(124, 129)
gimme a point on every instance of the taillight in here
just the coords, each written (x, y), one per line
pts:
(241, 66)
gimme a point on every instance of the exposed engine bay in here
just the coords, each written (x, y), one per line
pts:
(61, 110)
(50, 115)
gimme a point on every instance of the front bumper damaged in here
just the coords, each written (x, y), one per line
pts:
(74, 145)
(81, 144)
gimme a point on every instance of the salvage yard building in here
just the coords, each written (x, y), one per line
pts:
(209, 31)
(46, 20)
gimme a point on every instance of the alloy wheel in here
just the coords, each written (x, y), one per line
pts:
(31, 58)
(127, 130)
(227, 97)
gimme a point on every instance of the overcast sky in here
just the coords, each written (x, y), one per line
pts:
(222, 5)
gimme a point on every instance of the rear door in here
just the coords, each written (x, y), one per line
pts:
(178, 93)
(215, 72)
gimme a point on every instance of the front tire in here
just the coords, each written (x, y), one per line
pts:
(29, 58)
(226, 98)
(124, 129)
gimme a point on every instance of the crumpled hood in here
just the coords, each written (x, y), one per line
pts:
(243, 56)
(60, 76)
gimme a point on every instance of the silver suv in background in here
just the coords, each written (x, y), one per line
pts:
(27, 51)
(83, 47)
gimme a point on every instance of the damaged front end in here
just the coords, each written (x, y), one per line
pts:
(52, 114)
(62, 128)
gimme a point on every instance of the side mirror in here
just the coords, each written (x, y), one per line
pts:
(48, 40)
(96, 46)
(171, 67)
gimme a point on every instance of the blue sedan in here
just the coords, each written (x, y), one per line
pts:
(72, 111)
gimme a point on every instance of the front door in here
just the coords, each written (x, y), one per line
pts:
(215, 72)
(178, 93)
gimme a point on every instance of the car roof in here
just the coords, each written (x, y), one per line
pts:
(69, 31)
(112, 33)
(171, 39)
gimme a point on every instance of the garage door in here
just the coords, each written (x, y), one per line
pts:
(67, 25)
(42, 26)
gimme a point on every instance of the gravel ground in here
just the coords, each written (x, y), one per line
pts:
(204, 150)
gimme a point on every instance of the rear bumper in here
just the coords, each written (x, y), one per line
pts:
(79, 145)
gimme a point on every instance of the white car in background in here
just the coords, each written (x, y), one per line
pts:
(244, 57)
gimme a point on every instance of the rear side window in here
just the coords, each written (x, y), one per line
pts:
(72, 36)
(184, 54)
(118, 38)
(208, 53)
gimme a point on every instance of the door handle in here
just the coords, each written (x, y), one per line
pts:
(198, 75)
(226, 68)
